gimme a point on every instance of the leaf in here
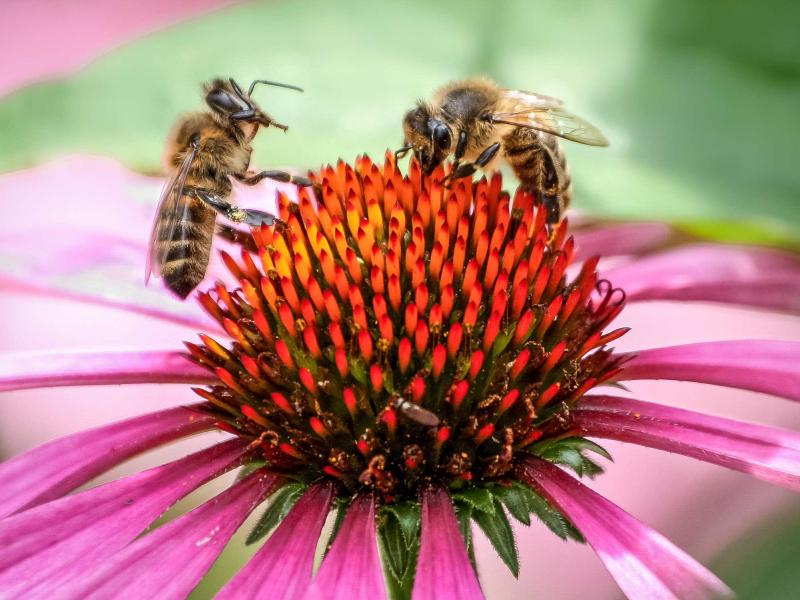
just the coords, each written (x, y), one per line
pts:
(515, 500)
(281, 502)
(498, 530)
(477, 497)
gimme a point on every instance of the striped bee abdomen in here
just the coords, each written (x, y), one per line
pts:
(184, 245)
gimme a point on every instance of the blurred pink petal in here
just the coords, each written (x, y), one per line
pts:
(281, 569)
(49, 545)
(95, 251)
(716, 273)
(759, 365)
(617, 240)
(352, 568)
(22, 371)
(645, 564)
(169, 562)
(443, 569)
(764, 452)
(54, 469)
(70, 34)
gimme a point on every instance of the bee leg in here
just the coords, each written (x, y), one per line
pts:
(281, 176)
(461, 148)
(469, 168)
(237, 236)
(248, 216)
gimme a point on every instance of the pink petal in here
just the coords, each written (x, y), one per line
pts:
(18, 371)
(55, 468)
(644, 563)
(281, 569)
(60, 541)
(90, 253)
(180, 313)
(352, 568)
(714, 273)
(69, 35)
(764, 452)
(169, 562)
(443, 568)
(760, 365)
(617, 240)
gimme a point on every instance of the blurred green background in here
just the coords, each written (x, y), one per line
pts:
(699, 99)
(701, 102)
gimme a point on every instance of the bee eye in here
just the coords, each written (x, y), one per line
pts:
(222, 101)
(441, 135)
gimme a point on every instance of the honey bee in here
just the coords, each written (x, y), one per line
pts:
(204, 150)
(475, 119)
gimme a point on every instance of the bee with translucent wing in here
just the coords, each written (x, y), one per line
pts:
(204, 150)
(478, 122)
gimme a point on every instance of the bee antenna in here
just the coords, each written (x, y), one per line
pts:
(275, 83)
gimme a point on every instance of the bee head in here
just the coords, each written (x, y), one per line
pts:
(429, 137)
(230, 102)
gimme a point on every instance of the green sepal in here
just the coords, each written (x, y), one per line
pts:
(515, 499)
(571, 453)
(498, 530)
(399, 538)
(463, 516)
(552, 518)
(478, 498)
(409, 518)
(249, 468)
(502, 340)
(358, 370)
(281, 502)
(340, 506)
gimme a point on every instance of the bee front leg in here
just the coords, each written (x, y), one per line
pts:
(248, 216)
(469, 168)
(282, 176)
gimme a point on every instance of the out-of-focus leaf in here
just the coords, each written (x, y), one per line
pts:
(701, 113)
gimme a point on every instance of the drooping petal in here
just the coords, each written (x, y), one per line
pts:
(714, 273)
(644, 563)
(60, 541)
(764, 452)
(443, 568)
(281, 569)
(767, 366)
(617, 240)
(23, 371)
(55, 468)
(71, 35)
(352, 568)
(169, 562)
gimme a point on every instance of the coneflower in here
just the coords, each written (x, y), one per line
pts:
(417, 358)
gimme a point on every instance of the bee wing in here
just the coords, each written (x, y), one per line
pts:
(167, 213)
(547, 114)
(533, 99)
